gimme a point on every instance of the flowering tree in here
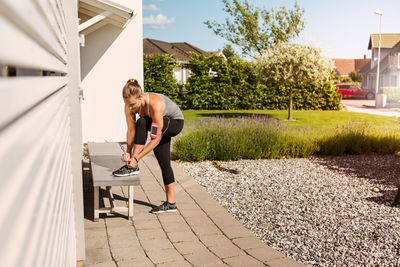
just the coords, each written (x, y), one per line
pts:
(255, 29)
(294, 66)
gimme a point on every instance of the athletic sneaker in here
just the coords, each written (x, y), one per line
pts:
(165, 207)
(125, 171)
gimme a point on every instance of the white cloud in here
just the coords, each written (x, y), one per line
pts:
(151, 7)
(158, 22)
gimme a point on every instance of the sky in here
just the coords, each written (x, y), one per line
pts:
(341, 28)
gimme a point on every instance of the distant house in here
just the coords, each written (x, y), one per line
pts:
(180, 51)
(343, 67)
(389, 62)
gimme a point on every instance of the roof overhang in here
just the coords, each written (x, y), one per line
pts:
(101, 12)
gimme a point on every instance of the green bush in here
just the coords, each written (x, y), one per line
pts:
(392, 93)
(310, 97)
(356, 138)
(159, 78)
(235, 86)
(259, 137)
(219, 83)
(231, 85)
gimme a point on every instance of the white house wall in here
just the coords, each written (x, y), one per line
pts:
(374, 56)
(37, 225)
(110, 57)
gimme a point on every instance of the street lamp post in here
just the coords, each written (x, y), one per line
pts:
(380, 13)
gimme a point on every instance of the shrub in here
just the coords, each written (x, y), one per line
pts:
(355, 76)
(242, 138)
(159, 78)
(259, 137)
(356, 138)
(219, 83)
(306, 97)
(392, 93)
(235, 86)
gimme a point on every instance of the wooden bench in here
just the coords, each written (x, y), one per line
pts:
(104, 159)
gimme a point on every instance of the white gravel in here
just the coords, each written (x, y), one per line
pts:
(327, 211)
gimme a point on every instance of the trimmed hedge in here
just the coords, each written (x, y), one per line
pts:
(159, 78)
(392, 93)
(219, 83)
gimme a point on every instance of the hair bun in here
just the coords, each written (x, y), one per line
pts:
(132, 81)
(131, 88)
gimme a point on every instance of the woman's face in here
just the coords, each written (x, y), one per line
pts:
(133, 103)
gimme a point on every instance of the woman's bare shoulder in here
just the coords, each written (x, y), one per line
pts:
(157, 103)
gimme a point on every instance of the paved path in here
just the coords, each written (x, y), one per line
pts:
(368, 106)
(201, 233)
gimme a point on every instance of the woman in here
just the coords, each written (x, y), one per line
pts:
(163, 118)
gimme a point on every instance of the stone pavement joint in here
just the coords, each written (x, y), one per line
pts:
(200, 233)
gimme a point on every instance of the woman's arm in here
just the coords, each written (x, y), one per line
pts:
(130, 134)
(156, 114)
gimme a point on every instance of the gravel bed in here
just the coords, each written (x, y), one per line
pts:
(321, 211)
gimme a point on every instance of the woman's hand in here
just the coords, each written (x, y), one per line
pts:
(132, 163)
(126, 157)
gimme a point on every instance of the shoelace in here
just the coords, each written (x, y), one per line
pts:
(123, 167)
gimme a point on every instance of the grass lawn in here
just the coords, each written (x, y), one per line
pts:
(315, 119)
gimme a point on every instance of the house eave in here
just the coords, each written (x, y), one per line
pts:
(101, 12)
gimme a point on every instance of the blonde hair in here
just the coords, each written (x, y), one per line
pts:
(131, 88)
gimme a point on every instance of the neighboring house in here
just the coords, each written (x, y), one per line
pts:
(389, 67)
(180, 51)
(42, 108)
(343, 67)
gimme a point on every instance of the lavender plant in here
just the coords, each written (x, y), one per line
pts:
(252, 137)
(257, 137)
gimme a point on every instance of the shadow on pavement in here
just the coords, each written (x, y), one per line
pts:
(88, 197)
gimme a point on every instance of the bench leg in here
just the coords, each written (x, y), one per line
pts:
(130, 200)
(110, 197)
(96, 203)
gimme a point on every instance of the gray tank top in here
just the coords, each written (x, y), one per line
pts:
(171, 109)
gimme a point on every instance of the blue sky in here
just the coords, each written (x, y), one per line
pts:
(340, 28)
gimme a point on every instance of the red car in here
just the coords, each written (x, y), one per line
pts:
(349, 90)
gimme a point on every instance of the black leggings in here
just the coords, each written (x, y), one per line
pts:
(171, 127)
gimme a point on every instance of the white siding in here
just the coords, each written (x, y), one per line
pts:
(37, 226)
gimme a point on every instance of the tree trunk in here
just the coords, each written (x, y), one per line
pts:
(290, 104)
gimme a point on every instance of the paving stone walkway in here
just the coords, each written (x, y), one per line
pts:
(200, 233)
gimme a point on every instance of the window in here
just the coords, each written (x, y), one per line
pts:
(353, 87)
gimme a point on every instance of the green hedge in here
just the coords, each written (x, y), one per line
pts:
(159, 78)
(234, 86)
(392, 93)
(227, 89)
